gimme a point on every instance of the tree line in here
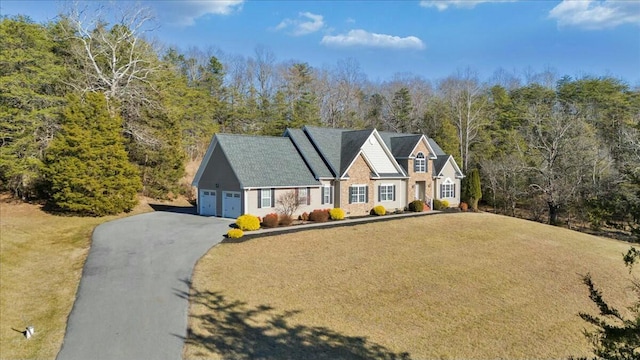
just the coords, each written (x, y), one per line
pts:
(560, 149)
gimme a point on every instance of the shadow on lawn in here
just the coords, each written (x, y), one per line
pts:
(235, 330)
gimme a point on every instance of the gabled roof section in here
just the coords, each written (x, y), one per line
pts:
(309, 153)
(352, 142)
(440, 163)
(262, 161)
(403, 145)
(328, 142)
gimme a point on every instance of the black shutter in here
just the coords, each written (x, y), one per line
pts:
(366, 194)
(308, 196)
(259, 198)
(273, 197)
(322, 195)
(331, 194)
(394, 193)
(379, 192)
(350, 194)
(454, 191)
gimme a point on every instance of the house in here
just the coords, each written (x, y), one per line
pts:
(323, 168)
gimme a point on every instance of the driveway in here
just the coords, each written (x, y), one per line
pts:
(127, 306)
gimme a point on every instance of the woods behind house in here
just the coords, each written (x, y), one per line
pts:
(93, 112)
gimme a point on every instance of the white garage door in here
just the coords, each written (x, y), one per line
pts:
(207, 202)
(231, 204)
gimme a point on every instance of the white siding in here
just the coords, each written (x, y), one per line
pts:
(377, 156)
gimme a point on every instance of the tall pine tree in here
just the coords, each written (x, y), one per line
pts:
(87, 168)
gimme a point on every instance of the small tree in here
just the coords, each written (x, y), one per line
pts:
(87, 168)
(615, 337)
(472, 189)
(288, 203)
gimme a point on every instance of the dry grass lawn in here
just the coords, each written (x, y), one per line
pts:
(41, 260)
(473, 286)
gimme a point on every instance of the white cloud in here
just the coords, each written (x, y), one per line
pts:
(591, 14)
(465, 4)
(306, 23)
(363, 38)
(185, 13)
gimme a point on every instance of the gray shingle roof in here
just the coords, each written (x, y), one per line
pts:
(439, 163)
(436, 148)
(329, 143)
(309, 153)
(352, 142)
(265, 161)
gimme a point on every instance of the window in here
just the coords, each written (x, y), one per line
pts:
(265, 198)
(302, 195)
(357, 194)
(326, 194)
(386, 192)
(447, 189)
(420, 163)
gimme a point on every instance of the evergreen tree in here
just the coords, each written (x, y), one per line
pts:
(472, 191)
(86, 164)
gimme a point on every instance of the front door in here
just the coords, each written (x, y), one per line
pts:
(420, 189)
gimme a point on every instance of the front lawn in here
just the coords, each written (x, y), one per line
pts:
(467, 285)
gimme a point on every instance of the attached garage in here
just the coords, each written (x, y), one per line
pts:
(231, 204)
(207, 202)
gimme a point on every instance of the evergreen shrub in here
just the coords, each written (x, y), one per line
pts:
(416, 206)
(440, 204)
(248, 222)
(379, 210)
(336, 214)
(270, 220)
(235, 234)
(319, 215)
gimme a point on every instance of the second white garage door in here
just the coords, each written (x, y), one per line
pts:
(231, 204)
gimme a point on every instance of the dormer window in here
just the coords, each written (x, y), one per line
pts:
(420, 163)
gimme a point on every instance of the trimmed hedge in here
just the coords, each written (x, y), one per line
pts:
(319, 215)
(248, 222)
(336, 214)
(379, 210)
(270, 220)
(416, 206)
(440, 204)
(235, 234)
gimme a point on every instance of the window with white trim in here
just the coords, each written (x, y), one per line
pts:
(386, 192)
(447, 189)
(326, 194)
(357, 194)
(420, 163)
(265, 198)
(302, 196)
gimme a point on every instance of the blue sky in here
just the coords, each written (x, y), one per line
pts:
(432, 39)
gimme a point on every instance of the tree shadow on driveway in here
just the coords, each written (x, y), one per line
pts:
(174, 208)
(232, 329)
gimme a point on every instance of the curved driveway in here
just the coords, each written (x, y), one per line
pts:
(127, 306)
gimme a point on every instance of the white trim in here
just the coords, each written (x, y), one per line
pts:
(423, 160)
(365, 186)
(432, 153)
(263, 198)
(387, 152)
(393, 192)
(205, 161)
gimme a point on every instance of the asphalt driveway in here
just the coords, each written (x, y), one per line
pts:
(127, 306)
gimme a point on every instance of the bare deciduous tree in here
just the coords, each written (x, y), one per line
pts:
(288, 203)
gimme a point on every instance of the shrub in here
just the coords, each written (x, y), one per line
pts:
(440, 204)
(416, 206)
(285, 220)
(304, 216)
(336, 214)
(319, 215)
(270, 220)
(248, 222)
(463, 206)
(235, 234)
(379, 210)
